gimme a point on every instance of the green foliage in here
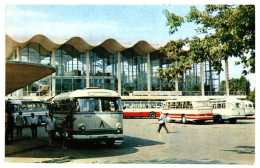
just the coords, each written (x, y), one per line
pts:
(251, 96)
(228, 30)
(179, 61)
(235, 85)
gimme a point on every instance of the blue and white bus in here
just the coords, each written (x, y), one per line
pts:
(27, 107)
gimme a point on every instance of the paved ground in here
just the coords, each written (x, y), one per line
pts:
(185, 144)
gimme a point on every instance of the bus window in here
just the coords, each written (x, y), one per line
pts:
(184, 105)
(223, 105)
(189, 105)
(172, 105)
(136, 104)
(152, 104)
(237, 105)
(88, 104)
(110, 104)
(178, 105)
(144, 105)
(158, 104)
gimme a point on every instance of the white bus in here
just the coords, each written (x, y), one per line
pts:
(141, 109)
(249, 108)
(228, 109)
(96, 114)
(187, 110)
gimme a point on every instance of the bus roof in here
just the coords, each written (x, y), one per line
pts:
(87, 93)
(14, 102)
(229, 100)
(188, 99)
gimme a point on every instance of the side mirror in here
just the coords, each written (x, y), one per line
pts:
(124, 107)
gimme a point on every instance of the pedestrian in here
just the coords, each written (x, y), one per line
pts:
(50, 127)
(9, 129)
(66, 131)
(34, 122)
(162, 123)
(19, 124)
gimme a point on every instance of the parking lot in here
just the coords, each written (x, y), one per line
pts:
(191, 143)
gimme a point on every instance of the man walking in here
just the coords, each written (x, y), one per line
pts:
(50, 127)
(34, 122)
(162, 123)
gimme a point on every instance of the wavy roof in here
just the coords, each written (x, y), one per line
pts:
(111, 45)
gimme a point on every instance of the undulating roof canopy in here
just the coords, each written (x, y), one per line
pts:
(111, 45)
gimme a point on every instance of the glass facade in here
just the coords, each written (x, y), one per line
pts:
(71, 72)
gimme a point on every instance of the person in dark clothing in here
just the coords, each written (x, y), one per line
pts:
(9, 129)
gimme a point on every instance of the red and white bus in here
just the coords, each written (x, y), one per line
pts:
(198, 110)
(150, 109)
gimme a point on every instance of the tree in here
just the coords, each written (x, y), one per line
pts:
(179, 62)
(251, 96)
(236, 85)
(227, 30)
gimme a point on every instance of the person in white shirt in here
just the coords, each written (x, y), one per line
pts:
(34, 122)
(19, 124)
(50, 127)
(162, 123)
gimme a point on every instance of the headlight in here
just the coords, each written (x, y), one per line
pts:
(81, 126)
(119, 126)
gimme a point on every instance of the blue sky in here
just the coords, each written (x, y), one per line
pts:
(125, 23)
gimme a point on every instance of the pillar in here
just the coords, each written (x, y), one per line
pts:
(227, 78)
(87, 69)
(148, 72)
(119, 72)
(53, 61)
(202, 79)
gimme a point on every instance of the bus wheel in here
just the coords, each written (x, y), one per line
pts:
(110, 143)
(183, 119)
(200, 121)
(152, 115)
(219, 120)
(232, 121)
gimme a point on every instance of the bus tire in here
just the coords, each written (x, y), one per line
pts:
(219, 119)
(110, 143)
(152, 115)
(232, 121)
(183, 119)
(200, 121)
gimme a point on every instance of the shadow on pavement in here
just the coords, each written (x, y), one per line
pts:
(82, 150)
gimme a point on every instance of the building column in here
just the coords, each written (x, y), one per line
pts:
(18, 58)
(227, 78)
(119, 72)
(202, 79)
(53, 61)
(148, 72)
(18, 54)
(87, 69)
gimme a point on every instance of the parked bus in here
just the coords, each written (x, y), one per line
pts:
(141, 108)
(228, 109)
(96, 114)
(249, 108)
(39, 108)
(187, 110)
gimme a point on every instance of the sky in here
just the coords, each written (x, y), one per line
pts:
(127, 23)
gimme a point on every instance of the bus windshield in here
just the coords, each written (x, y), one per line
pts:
(92, 104)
